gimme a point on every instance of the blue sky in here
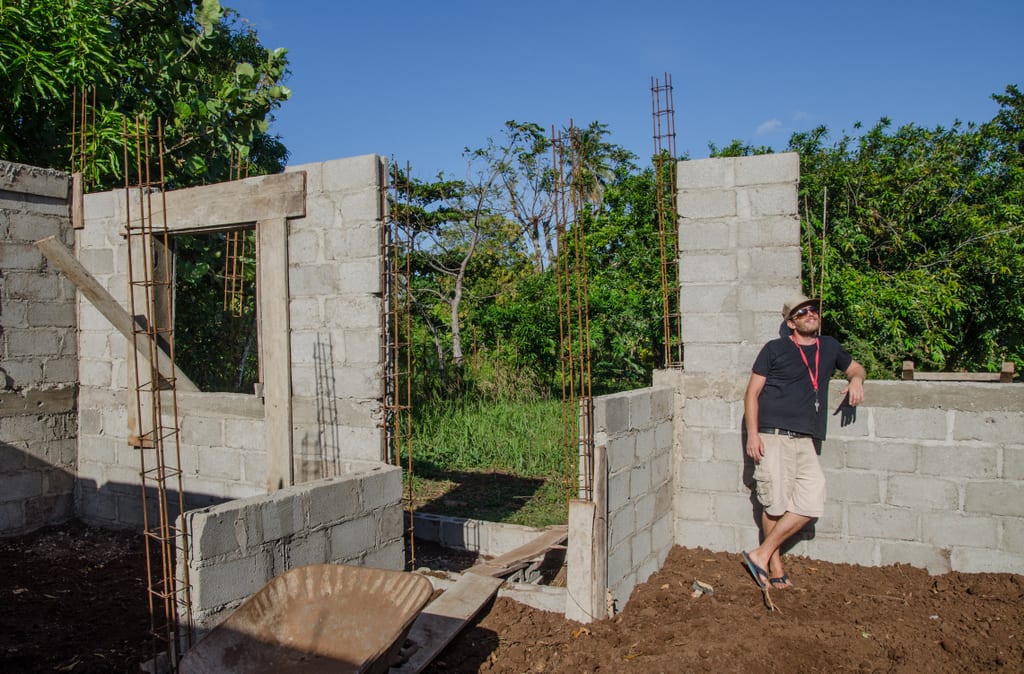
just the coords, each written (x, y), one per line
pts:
(417, 81)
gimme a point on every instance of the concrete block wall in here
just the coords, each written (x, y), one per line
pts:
(930, 474)
(334, 280)
(38, 356)
(739, 255)
(237, 547)
(636, 428)
(336, 376)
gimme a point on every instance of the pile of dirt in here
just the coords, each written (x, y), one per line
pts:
(73, 599)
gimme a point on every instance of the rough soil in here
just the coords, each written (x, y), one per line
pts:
(73, 599)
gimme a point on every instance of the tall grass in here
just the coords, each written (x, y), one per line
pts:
(473, 434)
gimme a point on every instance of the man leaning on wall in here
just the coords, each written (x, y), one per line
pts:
(786, 407)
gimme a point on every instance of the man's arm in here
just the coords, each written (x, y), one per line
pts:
(855, 375)
(755, 448)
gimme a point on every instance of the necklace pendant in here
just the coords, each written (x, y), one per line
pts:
(815, 405)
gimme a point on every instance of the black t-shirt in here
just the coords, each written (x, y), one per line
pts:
(787, 400)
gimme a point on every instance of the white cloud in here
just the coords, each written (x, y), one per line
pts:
(768, 126)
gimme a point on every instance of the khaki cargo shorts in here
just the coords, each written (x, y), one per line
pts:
(789, 477)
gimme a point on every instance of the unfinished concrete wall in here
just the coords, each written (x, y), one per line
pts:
(38, 371)
(239, 546)
(318, 228)
(621, 532)
(929, 474)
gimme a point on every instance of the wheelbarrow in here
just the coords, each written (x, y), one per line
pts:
(318, 618)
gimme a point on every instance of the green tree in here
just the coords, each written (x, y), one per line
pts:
(191, 64)
(914, 240)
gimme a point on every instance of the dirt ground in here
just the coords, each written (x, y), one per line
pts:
(73, 599)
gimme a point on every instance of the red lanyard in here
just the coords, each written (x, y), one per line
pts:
(817, 353)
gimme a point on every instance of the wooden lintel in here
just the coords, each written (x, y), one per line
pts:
(62, 258)
(210, 208)
(1004, 376)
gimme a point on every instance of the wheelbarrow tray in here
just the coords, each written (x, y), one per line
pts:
(318, 618)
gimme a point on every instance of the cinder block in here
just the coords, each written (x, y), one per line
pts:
(710, 235)
(1013, 535)
(711, 328)
(882, 456)
(644, 513)
(389, 556)
(212, 533)
(878, 521)
(839, 550)
(853, 487)
(308, 549)
(994, 498)
(708, 535)
(709, 413)
(639, 481)
(768, 201)
(621, 525)
(24, 484)
(381, 486)
(611, 413)
(350, 539)
(922, 492)
(705, 268)
(12, 517)
(202, 431)
(959, 460)
(782, 167)
(641, 544)
(922, 556)
(948, 530)
(621, 452)
(351, 173)
(694, 505)
(639, 408)
(722, 359)
(312, 280)
(768, 265)
(737, 508)
(358, 276)
(306, 313)
(703, 205)
(283, 515)
(618, 490)
(1002, 428)
(711, 298)
(305, 246)
(902, 423)
(353, 311)
(974, 560)
(229, 581)
(705, 173)
(769, 231)
(218, 463)
(1013, 463)
(620, 562)
(362, 346)
(711, 476)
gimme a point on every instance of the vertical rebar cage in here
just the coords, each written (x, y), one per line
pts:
(157, 436)
(663, 118)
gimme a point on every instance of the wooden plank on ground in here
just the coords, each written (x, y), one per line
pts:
(62, 258)
(446, 616)
(517, 558)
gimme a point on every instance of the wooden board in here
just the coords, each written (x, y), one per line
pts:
(62, 258)
(445, 617)
(519, 557)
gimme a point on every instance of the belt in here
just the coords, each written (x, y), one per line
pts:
(781, 431)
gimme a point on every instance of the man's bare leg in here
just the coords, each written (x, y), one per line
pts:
(780, 531)
(774, 567)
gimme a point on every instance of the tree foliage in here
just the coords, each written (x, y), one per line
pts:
(193, 65)
(914, 240)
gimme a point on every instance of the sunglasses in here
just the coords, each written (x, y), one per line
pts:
(803, 311)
